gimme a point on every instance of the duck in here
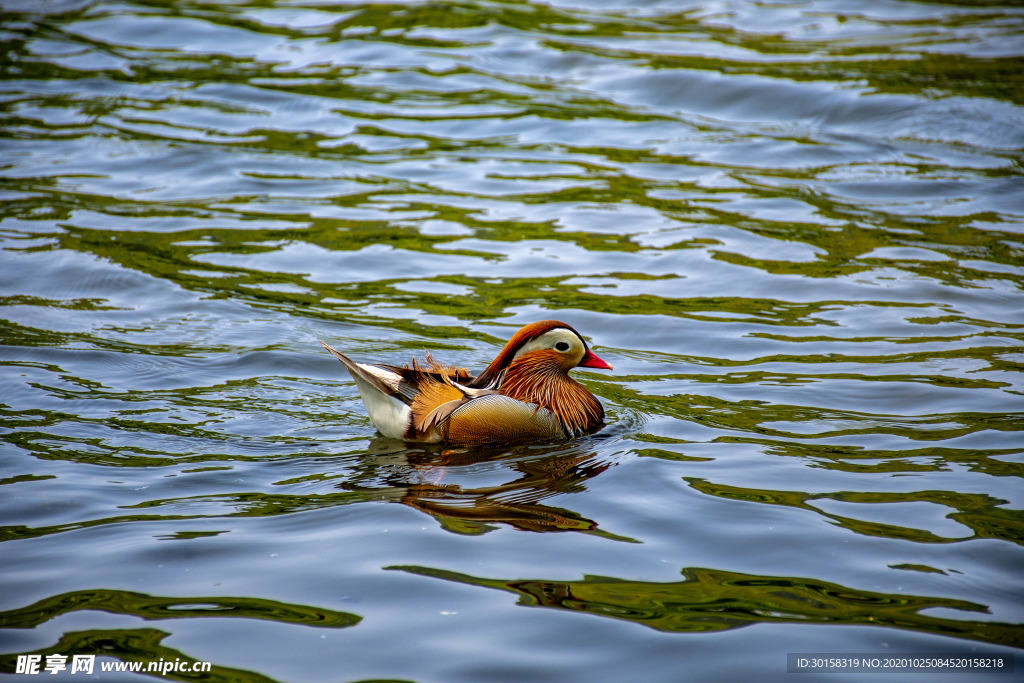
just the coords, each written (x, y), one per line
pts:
(525, 395)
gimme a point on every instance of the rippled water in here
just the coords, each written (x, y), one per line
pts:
(796, 230)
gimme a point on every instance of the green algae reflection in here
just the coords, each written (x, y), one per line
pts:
(150, 608)
(144, 644)
(979, 512)
(715, 600)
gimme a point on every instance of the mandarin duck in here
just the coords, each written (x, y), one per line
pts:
(524, 395)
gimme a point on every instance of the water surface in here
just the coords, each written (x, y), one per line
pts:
(795, 229)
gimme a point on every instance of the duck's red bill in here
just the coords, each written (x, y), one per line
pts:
(590, 360)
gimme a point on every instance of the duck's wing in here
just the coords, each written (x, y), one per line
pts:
(379, 377)
(386, 395)
(493, 418)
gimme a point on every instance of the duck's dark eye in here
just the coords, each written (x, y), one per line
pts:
(562, 346)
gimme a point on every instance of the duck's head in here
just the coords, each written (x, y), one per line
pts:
(558, 339)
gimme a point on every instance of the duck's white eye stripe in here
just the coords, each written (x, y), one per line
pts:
(562, 346)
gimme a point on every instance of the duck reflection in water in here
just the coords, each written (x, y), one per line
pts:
(416, 474)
